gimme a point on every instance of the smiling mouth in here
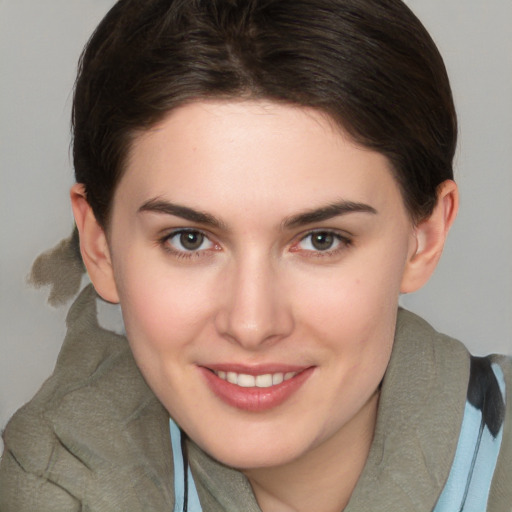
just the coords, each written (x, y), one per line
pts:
(255, 381)
(255, 391)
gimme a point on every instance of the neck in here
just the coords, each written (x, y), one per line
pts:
(324, 478)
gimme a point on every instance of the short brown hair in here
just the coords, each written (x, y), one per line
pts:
(369, 64)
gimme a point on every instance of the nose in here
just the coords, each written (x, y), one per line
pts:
(256, 309)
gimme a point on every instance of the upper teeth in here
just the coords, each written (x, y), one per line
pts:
(259, 381)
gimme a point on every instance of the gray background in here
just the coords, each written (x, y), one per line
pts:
(469, 297)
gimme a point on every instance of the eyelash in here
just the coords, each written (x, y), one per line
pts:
(184, 254)
(344, 243)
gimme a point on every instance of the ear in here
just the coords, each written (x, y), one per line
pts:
(429, 238)
(93, 245)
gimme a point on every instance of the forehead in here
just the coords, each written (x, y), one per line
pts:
(212, 154)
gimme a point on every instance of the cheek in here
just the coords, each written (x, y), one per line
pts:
(353, 311)
(164, 319)
(350, 304)
(162, 309)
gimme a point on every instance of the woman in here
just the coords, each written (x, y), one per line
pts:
(257, 182)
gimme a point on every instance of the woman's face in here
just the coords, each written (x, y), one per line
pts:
(258, 255)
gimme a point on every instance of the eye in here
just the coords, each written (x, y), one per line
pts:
(189, 240)
(322, 241)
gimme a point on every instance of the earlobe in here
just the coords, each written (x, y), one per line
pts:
(93, 245)
(429, 238)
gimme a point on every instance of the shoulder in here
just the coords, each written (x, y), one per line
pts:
(94, 432)
(500, 498)
(424, 397)
(88, 359)
(485, 435)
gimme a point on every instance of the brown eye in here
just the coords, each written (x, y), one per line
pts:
(325, 243)
(191, 240)
(322, 241)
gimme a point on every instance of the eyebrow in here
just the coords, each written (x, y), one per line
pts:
(327, 212)
(330, 211)
(161, 206)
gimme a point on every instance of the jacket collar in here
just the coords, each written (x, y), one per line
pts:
(109, 422)
(420, 412)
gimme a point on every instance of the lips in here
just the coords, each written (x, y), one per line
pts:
(254, 389)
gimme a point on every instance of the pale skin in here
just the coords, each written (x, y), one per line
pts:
(259, 235)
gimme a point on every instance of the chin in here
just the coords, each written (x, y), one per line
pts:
(254, 460)
(244, 454)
